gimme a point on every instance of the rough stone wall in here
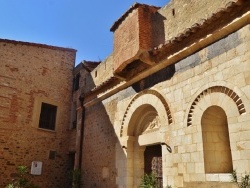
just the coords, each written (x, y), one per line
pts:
(30, 73)
(187, 13)
(101, 73)
(99, 142)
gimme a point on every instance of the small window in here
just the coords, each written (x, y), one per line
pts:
(74, 116)
(84, 82)
(76, 82)
(74, 121)
(52, 155)
(173, 12)
(47, 116)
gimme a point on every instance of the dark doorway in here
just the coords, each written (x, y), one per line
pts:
(71, 164)
(153, 162)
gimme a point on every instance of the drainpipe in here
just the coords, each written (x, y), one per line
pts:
(81, 98)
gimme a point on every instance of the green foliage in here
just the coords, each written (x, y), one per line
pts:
(242, 182)
(76, 178)
(149, 181)
(22, 180)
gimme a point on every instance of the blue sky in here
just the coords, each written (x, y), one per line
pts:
(83, 25)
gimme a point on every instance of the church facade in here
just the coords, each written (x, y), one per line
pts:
(172, 99)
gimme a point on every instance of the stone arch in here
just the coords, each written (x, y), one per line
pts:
(216, 95)
(231, 100)
(144, 125)
(151, 98)
(146, 118)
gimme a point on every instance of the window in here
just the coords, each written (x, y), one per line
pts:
(73, 116)
(52, 155)
(47, 116)
(76, 82)
(74, 119)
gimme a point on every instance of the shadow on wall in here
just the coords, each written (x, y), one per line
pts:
(160, 76)
(158, 29)
(99, 144)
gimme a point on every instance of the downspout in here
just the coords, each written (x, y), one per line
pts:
(81, 135)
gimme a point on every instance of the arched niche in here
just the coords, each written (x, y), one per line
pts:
(216, 144)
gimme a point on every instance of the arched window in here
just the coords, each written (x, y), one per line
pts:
(216, 144)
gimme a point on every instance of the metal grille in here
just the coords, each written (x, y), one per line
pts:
(157, 170)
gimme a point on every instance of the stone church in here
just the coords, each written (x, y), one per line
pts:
(172, 99)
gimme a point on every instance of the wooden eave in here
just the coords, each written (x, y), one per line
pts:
(204, 28)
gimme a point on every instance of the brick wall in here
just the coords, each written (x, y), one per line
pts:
(31, 74)
(132, 36)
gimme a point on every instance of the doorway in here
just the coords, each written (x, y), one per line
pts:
(153, 162)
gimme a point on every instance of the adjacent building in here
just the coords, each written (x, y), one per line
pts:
(35, 104)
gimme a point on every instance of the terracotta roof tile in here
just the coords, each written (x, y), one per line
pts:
(203, 23)
(207, 25)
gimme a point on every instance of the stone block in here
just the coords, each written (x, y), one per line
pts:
(245, 154)
(212, 177)
(241, 166)
(190, 168)
(225, 177)
(178, 181)
(186, 157)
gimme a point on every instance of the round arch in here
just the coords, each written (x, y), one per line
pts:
(146, 99)
(215, 95)
(141, 128)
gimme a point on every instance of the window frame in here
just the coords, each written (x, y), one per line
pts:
(47, 119)
(37, 111)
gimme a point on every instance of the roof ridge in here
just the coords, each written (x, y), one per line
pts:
(38, 45)
(131, 8)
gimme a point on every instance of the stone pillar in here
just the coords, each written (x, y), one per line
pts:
(125, 162)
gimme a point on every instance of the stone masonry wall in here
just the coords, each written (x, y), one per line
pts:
(165, 25)
(187, 13)
(224, 63)
(30, 74)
